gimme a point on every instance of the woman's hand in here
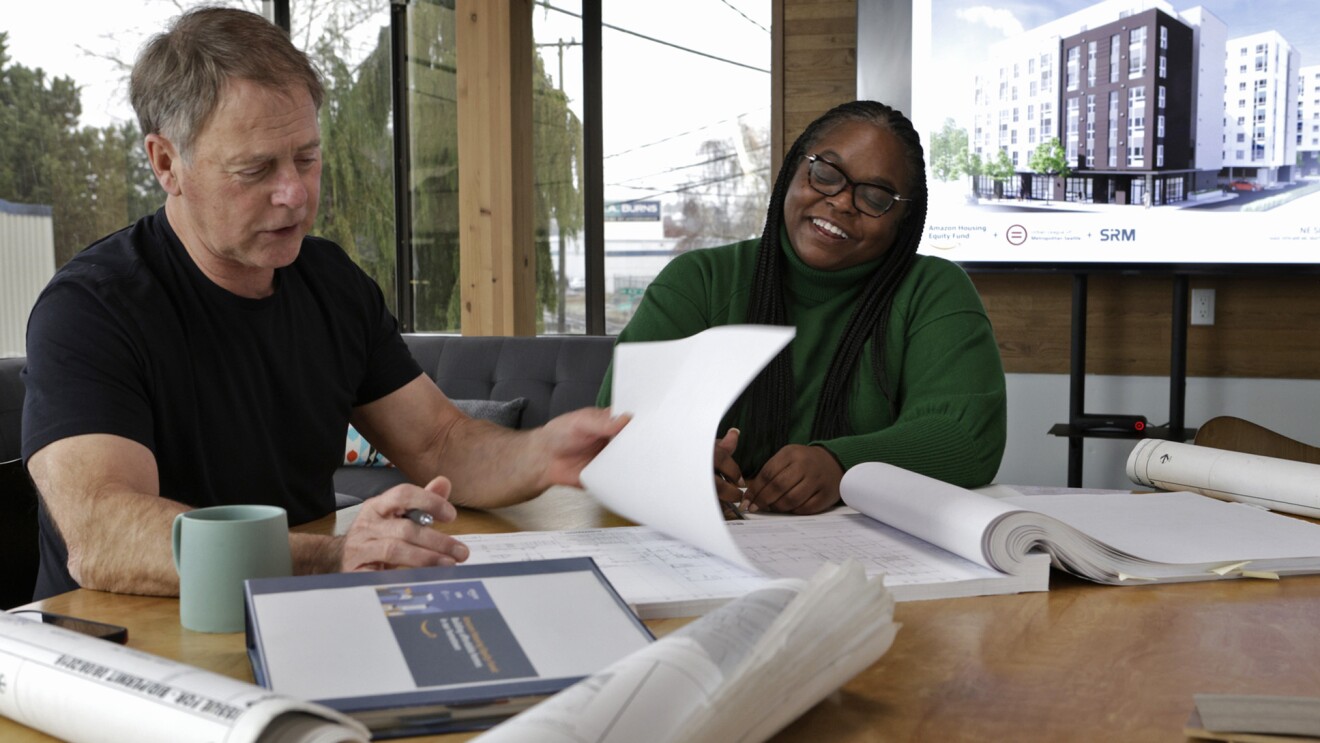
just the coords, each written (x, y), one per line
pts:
(797, 479)
(728, 476)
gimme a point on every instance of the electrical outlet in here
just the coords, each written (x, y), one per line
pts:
(1203, 306)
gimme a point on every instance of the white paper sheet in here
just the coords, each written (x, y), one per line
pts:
(659, 470)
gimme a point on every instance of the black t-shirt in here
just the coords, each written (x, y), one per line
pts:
(241, 400)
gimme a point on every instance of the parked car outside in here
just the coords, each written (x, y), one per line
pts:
(1241, 185)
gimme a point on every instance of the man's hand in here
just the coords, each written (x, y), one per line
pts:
(383, 537)
(728, 476)
(797, 479)
(568, 442)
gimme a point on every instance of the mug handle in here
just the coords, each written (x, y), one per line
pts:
(176, 534)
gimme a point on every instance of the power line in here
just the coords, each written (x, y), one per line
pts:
(744, 15)
(672, 137)
(684, 188)
(711, 161)
(654, 40)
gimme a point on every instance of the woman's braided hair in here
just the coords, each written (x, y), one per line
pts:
(767, 404)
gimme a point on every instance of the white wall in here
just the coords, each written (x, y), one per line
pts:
(1038, 401)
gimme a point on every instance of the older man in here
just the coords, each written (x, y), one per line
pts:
(214, 353)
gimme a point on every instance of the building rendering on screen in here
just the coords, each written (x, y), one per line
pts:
(1149, 105)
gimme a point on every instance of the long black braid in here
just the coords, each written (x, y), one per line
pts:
(767, 404)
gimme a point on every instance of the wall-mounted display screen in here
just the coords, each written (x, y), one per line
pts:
(1115, 134)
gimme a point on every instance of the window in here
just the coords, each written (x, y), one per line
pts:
(1137, 52)
(1113, 128)
(699, 177)
(1090, 131)
(1161, 94)
(1090, 64)
(1164, 66)
(1071, 138)
(705, 165)
(1164, 37)
(91, 177)
(1071, 70)
(1136, 132)
(1159, 126)
(1113, 58)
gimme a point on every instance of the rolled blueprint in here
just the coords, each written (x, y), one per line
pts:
(1269, 482)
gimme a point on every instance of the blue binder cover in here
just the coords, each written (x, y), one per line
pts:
(433, 650)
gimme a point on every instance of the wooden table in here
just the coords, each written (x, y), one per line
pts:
(1080, 663)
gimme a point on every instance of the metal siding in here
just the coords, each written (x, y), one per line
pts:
(27, 262)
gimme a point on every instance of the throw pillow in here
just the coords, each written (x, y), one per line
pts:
(507, 413)
(358, 452)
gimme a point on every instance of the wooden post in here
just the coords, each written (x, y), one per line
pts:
(497, 269)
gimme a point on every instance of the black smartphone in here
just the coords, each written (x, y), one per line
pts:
(111, 632)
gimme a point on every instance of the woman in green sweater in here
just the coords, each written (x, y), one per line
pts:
(894, 359)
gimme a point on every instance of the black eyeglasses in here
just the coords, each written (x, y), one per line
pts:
(870, 199)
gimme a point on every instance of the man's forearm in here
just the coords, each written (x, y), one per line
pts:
(122, 544)
(489, 465)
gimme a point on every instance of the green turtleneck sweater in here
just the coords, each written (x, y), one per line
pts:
(950, 408)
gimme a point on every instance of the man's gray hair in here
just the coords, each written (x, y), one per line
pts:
(181, 74)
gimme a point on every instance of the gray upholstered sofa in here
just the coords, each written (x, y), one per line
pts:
(553, 374)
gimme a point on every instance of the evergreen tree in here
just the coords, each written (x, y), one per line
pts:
(96, 180)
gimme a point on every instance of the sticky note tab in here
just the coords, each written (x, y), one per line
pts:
(1226, 569)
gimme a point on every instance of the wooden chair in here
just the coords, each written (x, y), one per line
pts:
(1236, 434)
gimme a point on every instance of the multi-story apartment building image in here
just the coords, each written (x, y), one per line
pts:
(1134, 96)
(1308, 121)
(1260, 108)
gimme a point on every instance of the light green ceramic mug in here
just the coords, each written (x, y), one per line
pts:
(215, 550)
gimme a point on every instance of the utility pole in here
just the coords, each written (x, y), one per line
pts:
(561, 281)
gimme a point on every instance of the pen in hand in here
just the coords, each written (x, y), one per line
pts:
(732, 509)
(419, 517)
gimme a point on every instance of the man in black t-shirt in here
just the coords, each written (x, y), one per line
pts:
(214, 353)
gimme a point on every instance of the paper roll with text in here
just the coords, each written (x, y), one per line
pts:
(1277, 484)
